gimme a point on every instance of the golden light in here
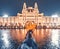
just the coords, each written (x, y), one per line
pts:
(30, 26)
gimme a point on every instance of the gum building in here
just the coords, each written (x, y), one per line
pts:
(30, 18)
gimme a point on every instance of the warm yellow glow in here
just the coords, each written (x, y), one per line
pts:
(30, 26)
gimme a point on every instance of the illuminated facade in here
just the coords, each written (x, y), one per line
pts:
(30, 18)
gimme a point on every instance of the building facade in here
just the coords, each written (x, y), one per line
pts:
(30, 18)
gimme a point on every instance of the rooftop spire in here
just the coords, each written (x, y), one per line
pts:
(24, 5)
(35, 6)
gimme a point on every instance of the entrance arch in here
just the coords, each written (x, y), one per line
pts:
(30, 25)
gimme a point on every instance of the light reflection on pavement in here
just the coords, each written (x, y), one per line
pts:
(46, 39)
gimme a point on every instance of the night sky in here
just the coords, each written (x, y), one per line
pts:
(12, 7)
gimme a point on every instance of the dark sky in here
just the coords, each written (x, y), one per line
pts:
(11, 7)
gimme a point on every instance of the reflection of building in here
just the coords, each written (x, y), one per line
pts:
(29, 18)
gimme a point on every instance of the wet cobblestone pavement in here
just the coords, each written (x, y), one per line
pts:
(51, 40)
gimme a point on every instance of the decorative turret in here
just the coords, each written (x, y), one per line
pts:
(24, 6)
(30, 10)
(36, 6)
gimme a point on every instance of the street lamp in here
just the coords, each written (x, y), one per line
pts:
(55, 15)
(5, 15)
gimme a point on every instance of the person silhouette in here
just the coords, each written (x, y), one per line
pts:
(29, 42)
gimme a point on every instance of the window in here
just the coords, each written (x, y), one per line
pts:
(28, 10)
